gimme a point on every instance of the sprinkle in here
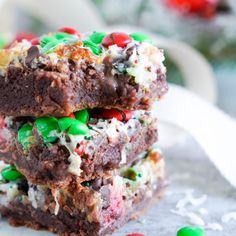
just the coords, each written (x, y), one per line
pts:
(214, 226)
(190, 199)
(193, 218)
(203, 211)
(228, 217)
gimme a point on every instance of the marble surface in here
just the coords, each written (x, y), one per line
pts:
(188, 170)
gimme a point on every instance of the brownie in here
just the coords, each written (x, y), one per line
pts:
(111, 145)
(86, 209)
(71, 77)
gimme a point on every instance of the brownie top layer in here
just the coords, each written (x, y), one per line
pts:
(60, 73)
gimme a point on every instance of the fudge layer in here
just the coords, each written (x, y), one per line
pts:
(64, 73)
(57, 157)
(92, 208)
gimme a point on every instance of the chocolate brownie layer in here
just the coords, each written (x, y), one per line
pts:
(71, 77)
(19, 214)
(85, 209)
(111, 145)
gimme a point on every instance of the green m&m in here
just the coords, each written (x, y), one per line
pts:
(3, 41)
(93, 46)
(78, 128)
(65, 123)
(97, 37)
(191, 231)
(73, 126)
(141, 37)
(49, 43)
(82, 115)
(10, 173)
(65, 38)
(25, 136)
(47, 127)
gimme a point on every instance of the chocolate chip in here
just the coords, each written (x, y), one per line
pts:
(23, 185)
(32, 53)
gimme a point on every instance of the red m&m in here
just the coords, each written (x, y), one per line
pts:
(115, 113)
(35, 41)
(20, 37)
(120, 39)
(68, 30)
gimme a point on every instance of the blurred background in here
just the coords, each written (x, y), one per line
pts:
(207, 26)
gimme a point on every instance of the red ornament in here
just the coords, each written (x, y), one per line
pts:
(115, 113)
(203, 8)
(68, 30)
(120, 39)
(35, 41)
(135, 235)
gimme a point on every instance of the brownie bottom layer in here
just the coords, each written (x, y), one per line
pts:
(93, 208)
(19, 214)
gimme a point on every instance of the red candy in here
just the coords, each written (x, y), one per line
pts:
(128, 115)
(20, 37)
(71, 115)
(115, 113)
(68, 30)
(35, 41)
(120, 39)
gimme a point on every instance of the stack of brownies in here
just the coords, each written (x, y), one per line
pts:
(77, 138)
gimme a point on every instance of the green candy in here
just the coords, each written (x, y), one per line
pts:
(141, 37)
(10, 173)
(97, 37)
(49, 47)
(82, 115)
(45, 40)
(3, 41)
(131, 174)
(65, 123)
(49, 43)
(62, 35)
(73, 126)
(191, 231)
(65, 38)
(78, 128)
(45, 126)
(25, 136)
(94, 47)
